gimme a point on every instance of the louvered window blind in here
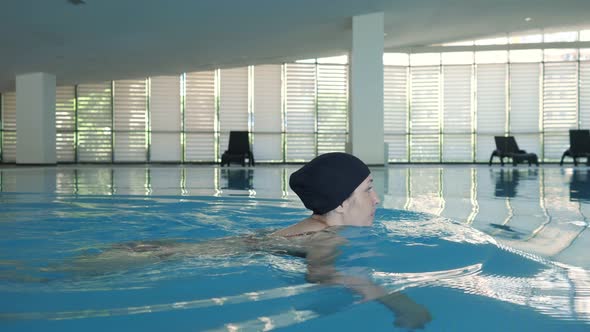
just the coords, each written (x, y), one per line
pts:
(491, 107)
(524, 105)
(199, 116)
(560, 100)
(332, 107)
(425, 114)
(95, 121)
(9, 127)
(585, 95)
(130, 120)
(395, 112)
(65, 123)
(300, 111)
(233, 104)
(267, 105)
(165, 119)
(457, 113)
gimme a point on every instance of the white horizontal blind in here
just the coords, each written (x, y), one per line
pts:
(9, 127)
(130, 111)
(65, 123)
(332, 107)
(266, 109)
(585, 95)
(560, 100)
(300, 111)
(395, 112)
(94, 122)
(524, 105)
(165, 118)
(491, 108)
(425, 114)
(457, 113)
(199, 116)
(233, 104)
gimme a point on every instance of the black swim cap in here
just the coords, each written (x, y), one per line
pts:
(328, 180)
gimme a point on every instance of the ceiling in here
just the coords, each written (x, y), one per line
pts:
(121, 39)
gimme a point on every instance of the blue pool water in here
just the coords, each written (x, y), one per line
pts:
(471, 273)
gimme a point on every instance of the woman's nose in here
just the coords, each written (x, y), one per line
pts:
(376, 199)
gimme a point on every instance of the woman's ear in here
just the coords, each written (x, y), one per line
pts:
(343, 206)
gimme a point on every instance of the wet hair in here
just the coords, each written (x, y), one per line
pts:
(328, 180)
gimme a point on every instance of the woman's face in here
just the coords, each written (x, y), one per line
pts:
(360, 206)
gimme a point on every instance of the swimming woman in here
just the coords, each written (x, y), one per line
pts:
(338, 189)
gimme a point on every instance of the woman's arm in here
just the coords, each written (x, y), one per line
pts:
(321, 256)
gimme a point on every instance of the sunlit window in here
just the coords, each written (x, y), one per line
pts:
(396, 59)
(460, 43)
(491, 57)
(526, 37)
(562, 36)
(425, 59)
(502, 40)
(560, 55)
(339, 60)
(526, 55)
(584, 35)
(457, 58)
(584, 54)
(306, 61)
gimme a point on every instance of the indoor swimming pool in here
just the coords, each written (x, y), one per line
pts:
(160, 247)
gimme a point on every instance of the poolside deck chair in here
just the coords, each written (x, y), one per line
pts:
(579, 146)
(238, 149)
(506, 147)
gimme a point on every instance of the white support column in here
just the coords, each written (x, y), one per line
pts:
(35, 119)
(366, 89)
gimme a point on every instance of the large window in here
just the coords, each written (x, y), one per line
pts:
(438, 107)
(451, 111)
(293, 111)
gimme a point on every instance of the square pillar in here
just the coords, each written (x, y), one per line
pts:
(35, 119)
(366, 139)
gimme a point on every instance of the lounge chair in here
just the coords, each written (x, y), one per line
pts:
(579, 146)
(506, 147)
(238, 149)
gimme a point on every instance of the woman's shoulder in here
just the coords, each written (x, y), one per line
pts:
(305, 227)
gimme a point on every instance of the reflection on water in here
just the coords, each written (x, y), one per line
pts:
(539, 210)
(507, 180)
(237, 179)
(506, 183)
(447, 266)
(580, 185)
